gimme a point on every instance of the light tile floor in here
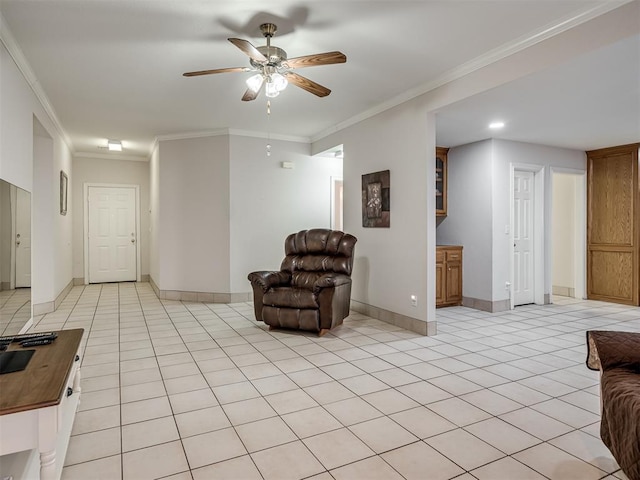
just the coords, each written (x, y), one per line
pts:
(200, 391)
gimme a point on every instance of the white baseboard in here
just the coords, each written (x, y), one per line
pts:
(563, 291)
(48, 307)
(408, 323)
(204, 297)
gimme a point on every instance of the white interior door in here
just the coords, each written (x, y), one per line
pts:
(23, 238)
(523, 238)
(112, 234)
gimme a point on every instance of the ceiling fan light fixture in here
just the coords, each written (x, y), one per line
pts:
(279, 81)
(271, 90)
(255, 82)
(276, 83)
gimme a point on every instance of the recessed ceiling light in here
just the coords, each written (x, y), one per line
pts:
(114, 145)
(496, 125)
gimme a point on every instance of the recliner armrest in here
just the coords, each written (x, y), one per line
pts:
(608, 349)
(330, 280)
(266, 280)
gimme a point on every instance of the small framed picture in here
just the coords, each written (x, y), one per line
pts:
(64, 187)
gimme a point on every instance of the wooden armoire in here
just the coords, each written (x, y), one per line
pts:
(613, 224)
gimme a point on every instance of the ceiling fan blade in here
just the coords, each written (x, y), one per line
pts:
(250, 94)
(318, 59)
(217, 70)
(248, 49)
(308, 85)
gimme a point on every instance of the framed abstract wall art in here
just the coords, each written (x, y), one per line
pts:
(375, 199)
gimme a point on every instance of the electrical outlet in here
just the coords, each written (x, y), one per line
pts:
(414, 300)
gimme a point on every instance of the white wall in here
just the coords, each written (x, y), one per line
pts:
(506, 153)
(43, 220)
(563, 228)
(469, 211)
(63, 225)
(269, 202)
(220, 208)
(120, 172)
(193, 226)
(393, 263)
(30, 139)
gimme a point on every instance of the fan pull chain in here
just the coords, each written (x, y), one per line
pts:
(268, 130)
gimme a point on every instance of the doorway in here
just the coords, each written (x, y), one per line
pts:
(336, 203)
(112, 229)
(568, 233)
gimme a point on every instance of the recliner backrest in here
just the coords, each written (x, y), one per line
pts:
(318, 250)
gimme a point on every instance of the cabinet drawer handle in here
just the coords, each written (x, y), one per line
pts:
(77, 358)
(69, 391)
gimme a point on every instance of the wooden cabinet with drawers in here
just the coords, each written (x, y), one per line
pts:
(448, 275)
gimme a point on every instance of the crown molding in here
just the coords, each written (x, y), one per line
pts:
(477, 63)
(10, 43)
(272, 136)
(111, 156)
(186, 135)
(226, 131)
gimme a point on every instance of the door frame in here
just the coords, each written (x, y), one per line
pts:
(13, 198)
(580, 230)
(334, 182)
(85, 202)
(539, 267)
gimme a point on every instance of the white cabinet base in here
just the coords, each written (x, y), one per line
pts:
(33, 443)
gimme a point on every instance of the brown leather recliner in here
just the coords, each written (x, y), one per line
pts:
(312, 290)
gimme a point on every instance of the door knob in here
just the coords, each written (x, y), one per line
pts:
(133, 240)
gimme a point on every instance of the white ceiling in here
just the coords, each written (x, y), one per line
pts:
(113, 68)
(589, 102)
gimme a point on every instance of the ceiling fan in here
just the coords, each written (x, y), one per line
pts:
(274, 69)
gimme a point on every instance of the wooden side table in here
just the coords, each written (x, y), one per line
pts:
(37, 409)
